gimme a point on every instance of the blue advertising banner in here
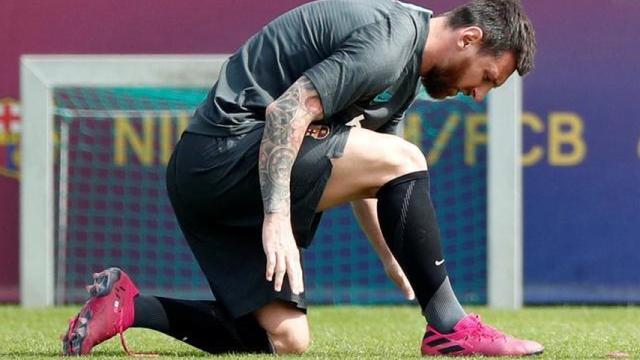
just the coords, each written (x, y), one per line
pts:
(582, 156)
(581, 130)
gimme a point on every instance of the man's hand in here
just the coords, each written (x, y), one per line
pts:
(395, 273)
(367, 215)
(283, 256)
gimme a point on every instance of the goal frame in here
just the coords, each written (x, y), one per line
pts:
(41, 74)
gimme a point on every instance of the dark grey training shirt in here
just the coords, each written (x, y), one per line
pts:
(362, 56)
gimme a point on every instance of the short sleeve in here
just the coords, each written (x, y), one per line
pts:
(391, 126)
(367, 62)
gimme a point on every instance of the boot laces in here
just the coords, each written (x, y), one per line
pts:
(120, 329)
(481, 331)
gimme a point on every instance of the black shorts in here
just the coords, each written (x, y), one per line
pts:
(214, 188)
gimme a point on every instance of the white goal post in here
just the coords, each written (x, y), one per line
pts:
(41, 74)
(504, 198)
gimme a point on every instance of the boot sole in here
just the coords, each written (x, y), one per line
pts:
(103, 284)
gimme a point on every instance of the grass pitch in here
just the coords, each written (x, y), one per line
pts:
(348, 332)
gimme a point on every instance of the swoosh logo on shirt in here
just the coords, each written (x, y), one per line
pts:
(439, 262)
(383, 97)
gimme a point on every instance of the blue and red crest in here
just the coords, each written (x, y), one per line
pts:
(9, 138)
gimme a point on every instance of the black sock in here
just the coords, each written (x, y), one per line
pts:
(202, 324)
(410, 228)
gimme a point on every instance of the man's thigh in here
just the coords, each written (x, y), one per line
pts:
(369, 160)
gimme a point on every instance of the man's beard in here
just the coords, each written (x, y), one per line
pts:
(441, 83)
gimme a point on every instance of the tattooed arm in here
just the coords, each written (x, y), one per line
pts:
(286, 120)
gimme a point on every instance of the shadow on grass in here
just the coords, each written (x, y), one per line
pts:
(29, 354)
(110, 354)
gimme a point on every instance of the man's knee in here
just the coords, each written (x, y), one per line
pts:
(403, 158)
(286, 326)
(291, 339)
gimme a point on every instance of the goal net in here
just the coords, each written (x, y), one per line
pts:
(109, 206)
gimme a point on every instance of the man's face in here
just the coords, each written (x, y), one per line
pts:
(471, 72)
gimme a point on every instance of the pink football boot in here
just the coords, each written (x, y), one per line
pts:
(471, 337)
(109, 311)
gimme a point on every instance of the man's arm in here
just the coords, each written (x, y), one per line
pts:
(367, 214)
(286, 121)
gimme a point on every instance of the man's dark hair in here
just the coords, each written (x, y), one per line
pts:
(505, 26)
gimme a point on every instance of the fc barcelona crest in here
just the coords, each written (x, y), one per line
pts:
(9, 138)
(318, 132)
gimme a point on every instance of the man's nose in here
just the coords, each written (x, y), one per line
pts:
(479, 94)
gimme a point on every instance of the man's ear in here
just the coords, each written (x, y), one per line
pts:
(469, 36)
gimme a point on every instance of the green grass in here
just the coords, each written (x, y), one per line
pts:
(356, 333)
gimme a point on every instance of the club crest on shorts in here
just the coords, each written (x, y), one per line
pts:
(318, 132)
